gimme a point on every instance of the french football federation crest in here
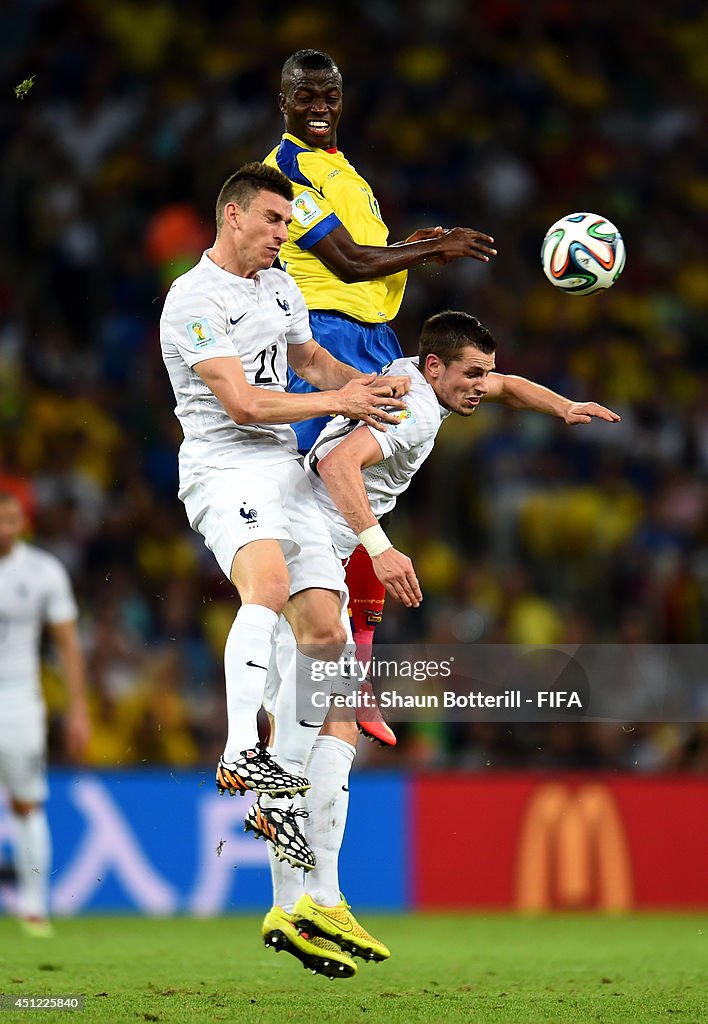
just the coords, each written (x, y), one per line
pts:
(283, 303)
(250, 515)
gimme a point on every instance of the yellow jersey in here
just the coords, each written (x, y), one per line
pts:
(330, 192)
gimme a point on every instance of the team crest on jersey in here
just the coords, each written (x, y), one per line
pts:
(250, 515)
(305, 209)
(406, 419)
(200, 333)
(283, 303)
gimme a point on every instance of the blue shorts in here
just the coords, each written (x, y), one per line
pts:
(368, 347)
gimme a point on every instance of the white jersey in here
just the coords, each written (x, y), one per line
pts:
(34, 590)
(210, 312)
(405, 447)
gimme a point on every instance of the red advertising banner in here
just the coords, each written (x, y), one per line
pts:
(561, 842)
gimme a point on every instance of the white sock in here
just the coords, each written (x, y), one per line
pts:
(287, 881)
(246, 658)
(291, 749)
(33, 854)
(327, 802)
(310, 694)
(347, 681)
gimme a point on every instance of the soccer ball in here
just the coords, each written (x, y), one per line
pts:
(582, 253)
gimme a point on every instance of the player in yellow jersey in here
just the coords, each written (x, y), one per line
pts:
(352, 279)
(337, 249)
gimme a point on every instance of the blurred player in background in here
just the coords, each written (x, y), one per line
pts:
(228, 329)
(357, 475)
(34, 591)
(352, 279)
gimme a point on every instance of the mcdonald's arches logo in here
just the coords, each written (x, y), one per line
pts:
(572, 851)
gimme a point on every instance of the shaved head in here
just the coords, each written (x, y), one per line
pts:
(306, 60)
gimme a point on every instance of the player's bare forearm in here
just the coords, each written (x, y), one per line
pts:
(77, 724)
(66, 638)
(278, 407)
(359, 399)
(345, 483)
(520, 393)
(315, 365)
(320, 369)
(341, 472)
(353, 262)
(245, 403)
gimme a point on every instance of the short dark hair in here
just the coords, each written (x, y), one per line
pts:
(306, 60)
(247, 182)
(446, 334)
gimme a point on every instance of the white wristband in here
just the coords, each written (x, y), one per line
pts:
(374, 540)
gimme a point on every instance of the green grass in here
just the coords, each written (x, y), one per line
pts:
(497, 968)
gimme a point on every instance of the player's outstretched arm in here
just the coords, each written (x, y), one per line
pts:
(353, 262)
(520, 393)
(360, 398)
(341, 471)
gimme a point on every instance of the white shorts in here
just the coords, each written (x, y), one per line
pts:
(233, 507)
(23, 753)
(344, 540)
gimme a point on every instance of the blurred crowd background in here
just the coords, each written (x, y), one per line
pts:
(500, 115)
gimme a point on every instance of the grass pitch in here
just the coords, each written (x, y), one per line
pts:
(496, 968)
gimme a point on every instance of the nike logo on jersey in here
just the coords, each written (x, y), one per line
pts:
(252, 664)
(309, 725)
(345, 789)
(234, 322)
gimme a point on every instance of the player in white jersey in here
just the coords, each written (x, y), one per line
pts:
(228, 330)
(357, 475)
(34, 591)
(399, 456)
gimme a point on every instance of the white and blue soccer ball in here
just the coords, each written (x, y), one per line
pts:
(582, 253)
